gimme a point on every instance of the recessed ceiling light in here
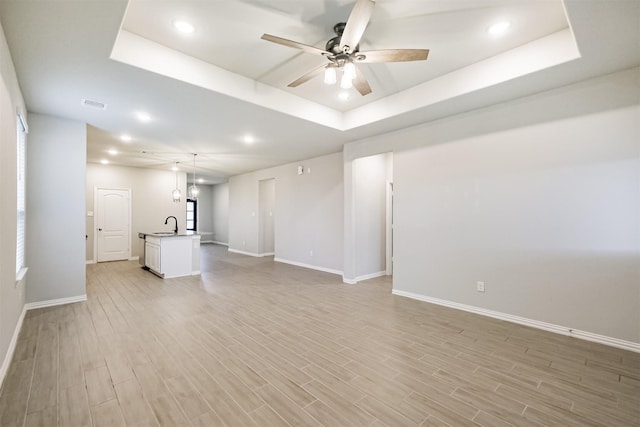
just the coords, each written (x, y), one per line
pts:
(499, 28)
(248, 139)
(174, 168)
(184, 26)
(112, 152)
(344, 96)
(125, 138)
(200, 180)
(104, 161)
(143, 117)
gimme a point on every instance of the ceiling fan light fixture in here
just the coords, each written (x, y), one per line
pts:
(330, 76)
(349, 70)
(346, 82)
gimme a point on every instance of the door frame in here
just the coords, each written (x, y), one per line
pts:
(389, 227)
(96, 216)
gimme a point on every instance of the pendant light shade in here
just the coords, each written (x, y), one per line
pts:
(193, 190)
(176, 193)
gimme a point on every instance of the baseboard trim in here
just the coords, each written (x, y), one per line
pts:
(215, 242)
(90, 261)
(371, 276)
(236, 251)
(365, 277)
(562, 330)
(8, 357)
(134, 258)
(53, 302)
(312, 267)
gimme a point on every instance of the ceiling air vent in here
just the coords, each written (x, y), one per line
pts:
(94, 104)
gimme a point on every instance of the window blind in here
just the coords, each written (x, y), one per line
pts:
(21, 200)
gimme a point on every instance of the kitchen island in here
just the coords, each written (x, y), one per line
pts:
(168, 254)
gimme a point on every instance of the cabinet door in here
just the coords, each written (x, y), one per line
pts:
(152, 257)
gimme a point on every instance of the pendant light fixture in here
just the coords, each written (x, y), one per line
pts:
(176, 193)
(193, 190)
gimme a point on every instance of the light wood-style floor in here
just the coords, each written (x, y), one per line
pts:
(253, 342)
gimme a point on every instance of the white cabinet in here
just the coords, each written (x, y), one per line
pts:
(152, 256)
(173, 256)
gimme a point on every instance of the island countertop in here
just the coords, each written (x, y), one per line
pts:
(143, 234)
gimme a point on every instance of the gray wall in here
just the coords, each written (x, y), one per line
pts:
(266, 220)
(56, 159)
(539, 198)
(308, 212)
(151, 201)
(220, 213)
(205, 212)
(12, 294)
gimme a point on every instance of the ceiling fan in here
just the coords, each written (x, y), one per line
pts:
(342, 51)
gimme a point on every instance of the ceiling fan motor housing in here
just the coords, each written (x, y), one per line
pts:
(333, 45)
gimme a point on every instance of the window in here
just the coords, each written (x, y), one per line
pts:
(192, 214)
(21, 200)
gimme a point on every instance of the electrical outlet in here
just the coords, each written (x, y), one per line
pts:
(310, 253)
(244, 243)
(480, 286)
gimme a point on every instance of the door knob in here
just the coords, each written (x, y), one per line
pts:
(99, 229)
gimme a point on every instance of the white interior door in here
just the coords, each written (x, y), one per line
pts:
(113, 235)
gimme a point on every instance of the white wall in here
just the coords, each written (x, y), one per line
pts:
(151, 201)
(12, 294)
(308, 212)
(539, 198)
(266, 220)
(220, 213)
(370, 176)
(56, 158)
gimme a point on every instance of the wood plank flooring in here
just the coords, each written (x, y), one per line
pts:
(257, 343)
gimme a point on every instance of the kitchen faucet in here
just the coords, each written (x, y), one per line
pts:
(166, 221)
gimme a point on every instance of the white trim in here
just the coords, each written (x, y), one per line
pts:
(215, 242)
(562, 330)
(365, 277)
(53, 302)
(20, 276)
(236, 251)
(370, 276)
(195, 272)
(90, 261)
(134, 258)
(267, 254)
(312, 267)
(8, 357)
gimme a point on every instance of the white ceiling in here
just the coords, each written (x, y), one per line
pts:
(206, 91)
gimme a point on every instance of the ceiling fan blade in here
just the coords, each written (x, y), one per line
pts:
(361, 84)
(356, 24)
(308, 76)
(297, 45)
(393, 55)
